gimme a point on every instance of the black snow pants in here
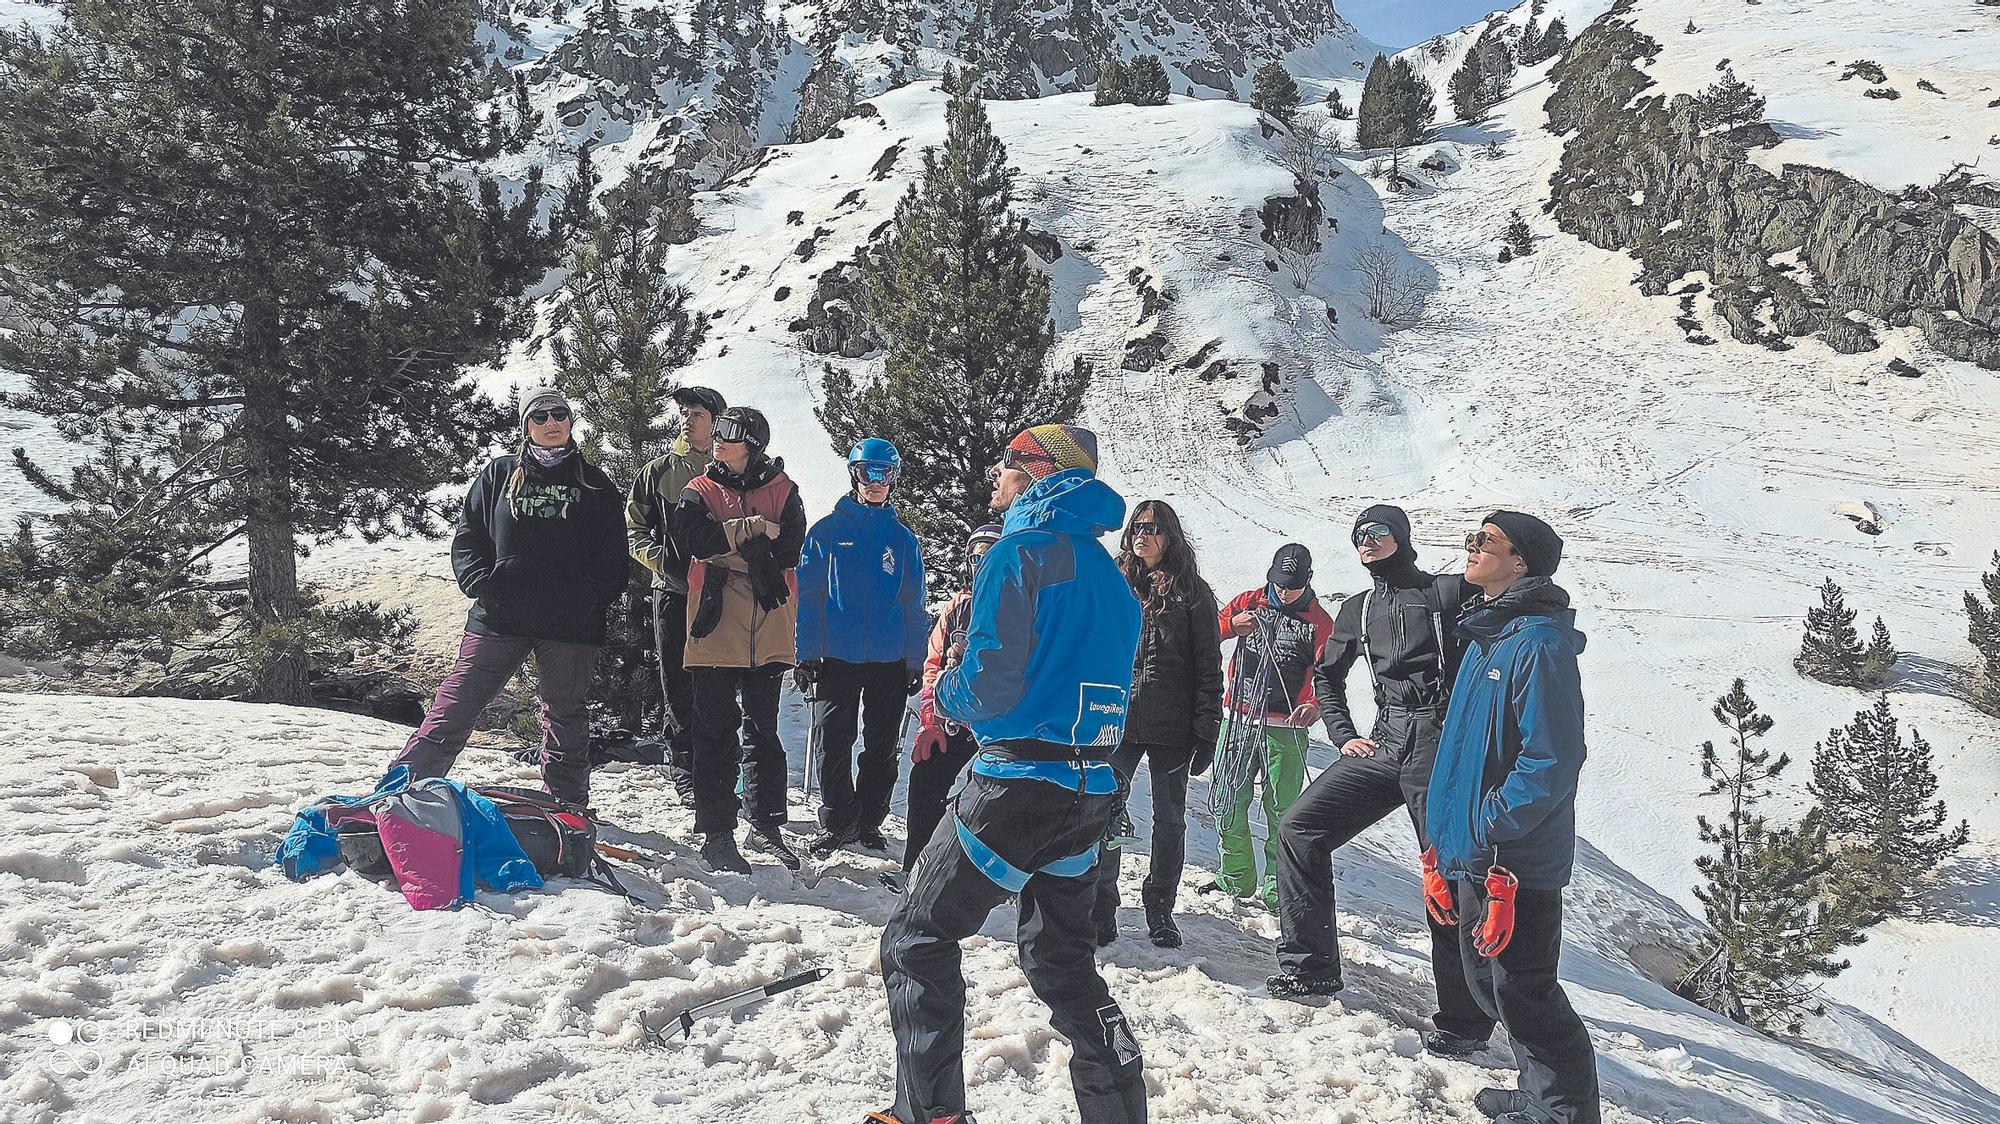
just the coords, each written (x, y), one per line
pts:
(930, 785)
(1027, 821)
(1551, 1045)
(867, 697)
(676, 687)
(1353, 794)
(735, 739)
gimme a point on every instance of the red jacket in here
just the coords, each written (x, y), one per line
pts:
(1292, 637)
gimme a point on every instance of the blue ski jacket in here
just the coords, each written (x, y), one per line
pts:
(861, 589)
(1054, 625)
(1503, 790)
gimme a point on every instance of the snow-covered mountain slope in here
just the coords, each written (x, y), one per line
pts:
(1931, 100)
(699, 86)
(1702, 488)
(158, 967)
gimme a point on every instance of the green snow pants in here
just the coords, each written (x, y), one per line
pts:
(1279, 774)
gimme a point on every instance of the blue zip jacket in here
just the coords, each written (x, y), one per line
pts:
(861, 589)
(1503, 790)
(1054, 626)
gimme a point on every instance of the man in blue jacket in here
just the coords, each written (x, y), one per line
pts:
(862, 634)
(1502, 812)
(1043, 686)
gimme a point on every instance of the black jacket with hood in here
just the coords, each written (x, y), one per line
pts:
(1410, 634)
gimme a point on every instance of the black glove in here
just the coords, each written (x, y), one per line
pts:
(767, 578)
(709, 613)
(916, 683)
(806, 677)
(1202, 759)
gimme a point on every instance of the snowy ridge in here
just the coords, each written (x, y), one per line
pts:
(1796, 54)
(150, 941)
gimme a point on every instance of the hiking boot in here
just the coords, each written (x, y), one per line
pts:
(719, 853)
(1302, 985)
(1160, 927)
(1500, 1104)
(1445, 1044)
(1106, 936)
(870, 839)
(888, 1116)
(771, 841)
(825, 842)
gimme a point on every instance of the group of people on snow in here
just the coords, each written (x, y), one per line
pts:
(1039, 690)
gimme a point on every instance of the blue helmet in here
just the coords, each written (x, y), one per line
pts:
(874, 461)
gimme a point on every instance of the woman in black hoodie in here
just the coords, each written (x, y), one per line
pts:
(1175, 712)
(540, 548)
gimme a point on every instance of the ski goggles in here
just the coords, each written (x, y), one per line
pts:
(1477, 542)
(1372, 533)
(731, 430)
(873, 472)
(1150, 529)
(544, 417)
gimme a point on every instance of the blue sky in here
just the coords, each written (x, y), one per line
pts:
(1405, 23)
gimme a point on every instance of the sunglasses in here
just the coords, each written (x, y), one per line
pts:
(1373, 532)
(1150, 529)
(1477, 542)
(731, 430)
(544, 417)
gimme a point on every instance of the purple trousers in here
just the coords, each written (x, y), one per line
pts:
(485, 663)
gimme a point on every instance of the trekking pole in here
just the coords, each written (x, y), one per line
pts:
(812, 743)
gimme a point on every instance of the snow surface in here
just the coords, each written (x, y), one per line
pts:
(154, 965)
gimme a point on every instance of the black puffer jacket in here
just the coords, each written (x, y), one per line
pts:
(1411, 632)
(1177, 675)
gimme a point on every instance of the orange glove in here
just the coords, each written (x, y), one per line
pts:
(1498, 926)
(1437, 891)
(929, 743)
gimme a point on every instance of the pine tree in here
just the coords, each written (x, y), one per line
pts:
(1983, 630)
(1552, 41)
(1768, 894)
(1273, 91)
(253, 222)
(1879, 797)
(1336, 108)
(1878, 661)
(573, 213)
(964, 315)
(622, 331)
(1146, 81)
(1481, 80)
(1520, 239)
(1831, 651)
(1529, 49)
(1111, 82)
(1396, 105)
(1731, 102)
(1468, 89)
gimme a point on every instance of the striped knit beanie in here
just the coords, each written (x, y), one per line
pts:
(1048, 449)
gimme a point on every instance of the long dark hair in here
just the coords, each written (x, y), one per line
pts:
(1177, 573)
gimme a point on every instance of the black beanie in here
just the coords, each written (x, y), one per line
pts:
(1535, 541)
(1398, 522)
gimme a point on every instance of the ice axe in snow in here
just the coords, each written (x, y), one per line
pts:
(745, 998)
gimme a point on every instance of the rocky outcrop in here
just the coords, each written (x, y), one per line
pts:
(1292, 222)
(1645, 176)
(834, 323)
